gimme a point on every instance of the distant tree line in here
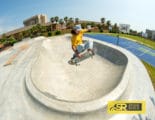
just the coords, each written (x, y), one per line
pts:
(56, 28)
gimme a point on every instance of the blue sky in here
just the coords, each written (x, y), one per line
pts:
(138, 13)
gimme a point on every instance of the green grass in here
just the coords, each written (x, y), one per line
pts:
(146, 42)
(138, 39)
(151, 71)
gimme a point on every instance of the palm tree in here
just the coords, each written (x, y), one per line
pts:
(71, 20)
(70, 23)
(56, 19)
(102, 24)
(52, 19)
(93, 24)
(108, 23)
(77, 20)
(103, 21)
(115, 28)
(115, 25)
(61, 21)
(66, 19)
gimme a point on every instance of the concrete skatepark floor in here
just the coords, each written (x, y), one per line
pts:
(55, 80)
(86, 80)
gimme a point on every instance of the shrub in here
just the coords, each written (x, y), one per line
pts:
(50, 33)
(58, 32)
(2, 40)
(32, 36)
(101, 30)
(9, 41)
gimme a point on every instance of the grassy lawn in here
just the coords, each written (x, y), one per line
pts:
(146, 42)
(151, 71)
(138, 39)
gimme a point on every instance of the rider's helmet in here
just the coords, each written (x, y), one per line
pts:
(77, 27)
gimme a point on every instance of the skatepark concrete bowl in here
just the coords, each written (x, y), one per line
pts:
(37, 83)
(77, 89)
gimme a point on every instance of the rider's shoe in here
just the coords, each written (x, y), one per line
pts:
(91, 51)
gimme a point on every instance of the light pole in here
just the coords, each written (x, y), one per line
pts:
(118, 38)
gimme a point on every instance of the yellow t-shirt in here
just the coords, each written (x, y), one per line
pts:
(77, 39)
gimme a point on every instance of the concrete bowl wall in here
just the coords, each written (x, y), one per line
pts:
(113, 55)
(28, 85)
(44, 62)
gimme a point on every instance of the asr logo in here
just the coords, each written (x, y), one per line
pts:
(127, 107)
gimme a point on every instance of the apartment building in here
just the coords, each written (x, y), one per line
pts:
(150, 34)
(37, 19)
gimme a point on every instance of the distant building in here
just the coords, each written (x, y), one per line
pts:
(124, 28)
(37, 19)
(150, 34)
(144, 34)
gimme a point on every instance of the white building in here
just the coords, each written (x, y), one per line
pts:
(37, 19)
(124, 28)
(150, 34)
(144, 34)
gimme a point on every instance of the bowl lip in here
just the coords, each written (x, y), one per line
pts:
(80, 107)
